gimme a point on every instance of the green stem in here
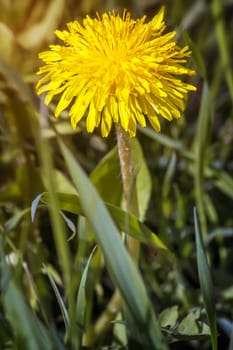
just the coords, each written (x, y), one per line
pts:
(128, 176)
(127, 172)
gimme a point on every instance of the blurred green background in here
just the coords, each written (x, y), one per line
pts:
(190, 164)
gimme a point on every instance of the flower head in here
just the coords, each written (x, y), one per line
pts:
(116, 69)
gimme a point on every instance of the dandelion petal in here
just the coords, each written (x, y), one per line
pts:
(113, 68)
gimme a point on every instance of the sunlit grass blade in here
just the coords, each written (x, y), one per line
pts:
(205, 282)
(118, 262)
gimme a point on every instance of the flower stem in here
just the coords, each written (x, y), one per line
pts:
(127, 172)
(128, 180)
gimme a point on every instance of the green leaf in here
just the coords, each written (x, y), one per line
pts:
(61, 183)
(191, 326)
(71, 203)
(118, 262)
(119, 330)
(143, 178)
(206, 283)
(103, 176)
(168, 317)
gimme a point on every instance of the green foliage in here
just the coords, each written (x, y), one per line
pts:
(121, 268)
(190, 327)
(125, 221)
(206, 283)
(29, 332)
(55, 285)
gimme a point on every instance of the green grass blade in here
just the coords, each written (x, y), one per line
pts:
(29, 331)
(12, 223)
(224, 182)
(161, 138)
(81, 302)
(206, 283)
(59, 232)
(71, 203)
(59, 300)
(203, 128)
(34, 206)
(196, 54)
(222, 36)
(27, 327)
(118, 262)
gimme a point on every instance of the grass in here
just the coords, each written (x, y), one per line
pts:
(62, 251)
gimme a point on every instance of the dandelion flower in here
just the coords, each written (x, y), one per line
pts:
(116, 69)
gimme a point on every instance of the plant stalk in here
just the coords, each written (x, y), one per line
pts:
(128, 181)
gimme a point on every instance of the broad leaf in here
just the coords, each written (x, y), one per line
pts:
(135, 228)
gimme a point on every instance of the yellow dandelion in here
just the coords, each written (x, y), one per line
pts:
(116, 69)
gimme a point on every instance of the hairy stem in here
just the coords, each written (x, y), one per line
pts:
(127, 172)
(128, 177)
